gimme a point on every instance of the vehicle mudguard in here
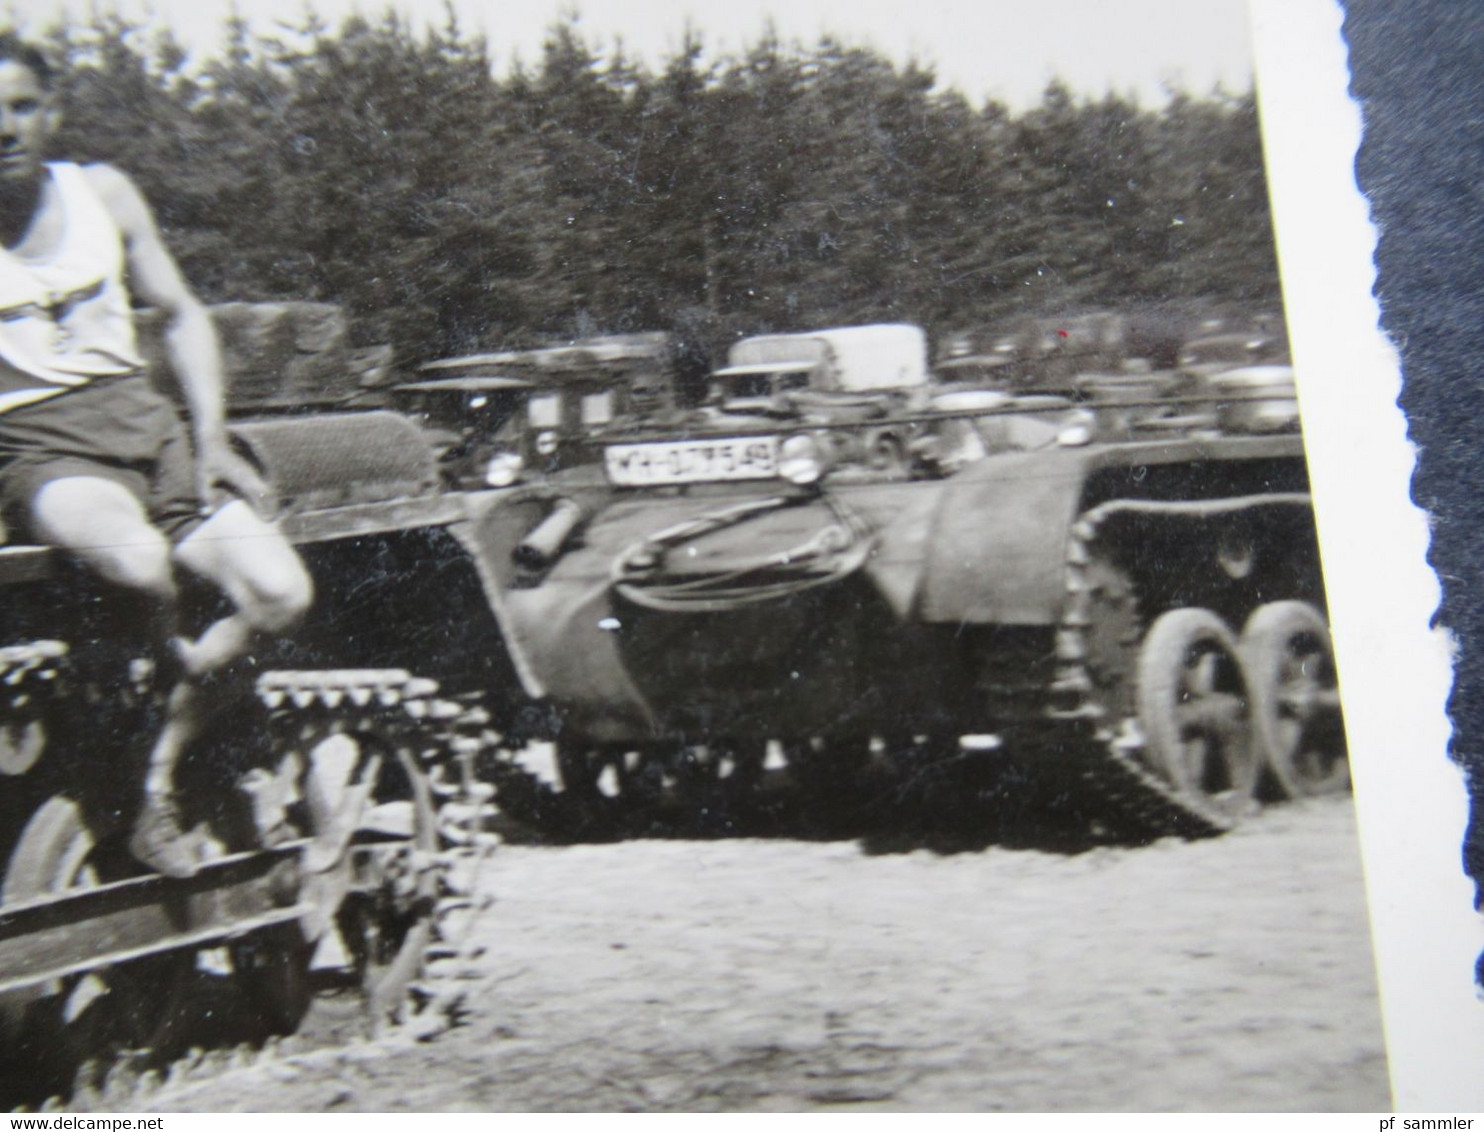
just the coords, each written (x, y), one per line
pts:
(555, 623)
(986, 546)
(995, 546)
(995, 549)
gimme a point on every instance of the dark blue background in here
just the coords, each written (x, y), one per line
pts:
(1418, 68)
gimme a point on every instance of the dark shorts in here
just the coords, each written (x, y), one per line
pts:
(117, 429)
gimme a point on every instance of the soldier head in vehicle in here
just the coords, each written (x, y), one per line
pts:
(93, 460)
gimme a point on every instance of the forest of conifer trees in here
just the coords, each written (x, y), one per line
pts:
(450, 208)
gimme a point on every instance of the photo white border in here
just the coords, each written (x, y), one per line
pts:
(1395, 670)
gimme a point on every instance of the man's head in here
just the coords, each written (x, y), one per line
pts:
(28, 115)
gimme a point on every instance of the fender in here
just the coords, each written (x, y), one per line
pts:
(996, 542)
(553, 623)
(994, 548)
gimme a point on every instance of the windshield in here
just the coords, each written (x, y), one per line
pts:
(741, 386)
(458, 409)
(597, 408)
(546, 410)
(494, 407)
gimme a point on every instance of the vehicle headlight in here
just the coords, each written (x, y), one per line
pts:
(503, 469)
(546, 442)
(799, 460)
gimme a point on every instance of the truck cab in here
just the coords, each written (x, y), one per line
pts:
(841, 376)
(503, 418)
(839, 367)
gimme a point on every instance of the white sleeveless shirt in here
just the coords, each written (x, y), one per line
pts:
(65, 316)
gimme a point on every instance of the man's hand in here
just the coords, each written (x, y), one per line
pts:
(222, 475)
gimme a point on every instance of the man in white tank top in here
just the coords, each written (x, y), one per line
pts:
(78, 423)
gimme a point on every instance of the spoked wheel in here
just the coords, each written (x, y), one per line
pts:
(138, 1006)
(368, 809)
(1295, 700)
(886, 454)
(29, 674)
(1193, 707)
(351, 781)
(337, 784)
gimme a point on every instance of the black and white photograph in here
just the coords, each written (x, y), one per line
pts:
(684, 557)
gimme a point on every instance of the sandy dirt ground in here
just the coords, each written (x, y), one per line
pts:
(1232, 974)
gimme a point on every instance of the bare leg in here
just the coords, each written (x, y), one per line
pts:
(104, 526)
(254, 565)
(262, 576)
(101, 524)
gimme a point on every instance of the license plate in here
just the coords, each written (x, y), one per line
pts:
(692, 461)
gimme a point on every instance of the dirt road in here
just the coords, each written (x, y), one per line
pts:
(749, 974)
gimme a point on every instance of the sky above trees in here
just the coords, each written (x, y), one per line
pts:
(1003, 49)
(450, 207)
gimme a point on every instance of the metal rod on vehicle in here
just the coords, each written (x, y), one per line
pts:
(544, 544)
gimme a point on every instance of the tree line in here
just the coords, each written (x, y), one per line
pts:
(450, 208)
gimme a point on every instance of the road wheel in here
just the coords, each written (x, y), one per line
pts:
(136, 1006)
(21, 742)
(578, 770)
(594, 772)
(271, 969)
(1295, 699)
(386, 926)
(1194, 710)
(29, 677)
(887, 454)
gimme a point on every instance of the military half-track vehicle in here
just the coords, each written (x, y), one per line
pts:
(1133, 617)
(1036, 352)
(1176, 367)
(334, 807)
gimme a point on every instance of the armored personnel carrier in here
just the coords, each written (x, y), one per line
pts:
(334, 808)
(1132, 615)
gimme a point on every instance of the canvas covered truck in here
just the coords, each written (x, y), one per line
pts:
(850, 360)
(862, 375)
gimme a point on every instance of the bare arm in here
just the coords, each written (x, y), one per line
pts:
(190, 338)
